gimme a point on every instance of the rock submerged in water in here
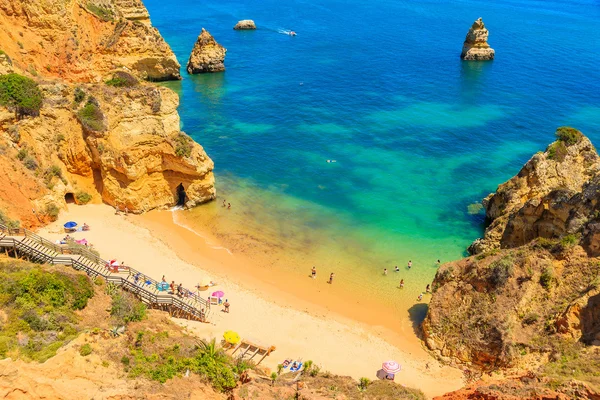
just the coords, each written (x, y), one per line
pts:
(476, 47)
(207, 55)
(244, 25)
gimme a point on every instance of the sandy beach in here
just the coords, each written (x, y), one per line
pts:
(301, 319)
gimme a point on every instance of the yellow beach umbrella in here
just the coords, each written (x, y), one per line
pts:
(231, 337)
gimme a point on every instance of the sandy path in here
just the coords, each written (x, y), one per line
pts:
(336, 344)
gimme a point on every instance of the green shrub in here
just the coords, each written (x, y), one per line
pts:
(183, 145)
(568, 241)
(569, 136)
(40, 304)
(363, 383)
(83, 197)
(20, 94)
(125, 360)
(122, 79)
(500, 271)
(85, 350)
(52, 211)
(79, 95)
(30, 163)
(22, 154)
(557, 151)
(11, 223)
(547, 277)
(104, 13)
(91, 117)
(126, 308)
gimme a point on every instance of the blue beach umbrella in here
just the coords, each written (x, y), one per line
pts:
(70, 224)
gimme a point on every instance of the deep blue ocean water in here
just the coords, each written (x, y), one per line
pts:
(378, 86)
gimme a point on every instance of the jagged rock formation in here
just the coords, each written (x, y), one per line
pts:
(475, 46)
(207, 55)
(77, 40)
(527, 387)
(245, 24)
(554, 194)
(536, 279)
(119, 143)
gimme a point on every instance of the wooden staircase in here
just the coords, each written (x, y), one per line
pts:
(22, 243)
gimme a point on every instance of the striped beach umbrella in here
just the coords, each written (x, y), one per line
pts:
(391, 367)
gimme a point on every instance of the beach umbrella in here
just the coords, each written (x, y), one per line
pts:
(70, 224)
(391, 367)
(231, 337)
(218, 294)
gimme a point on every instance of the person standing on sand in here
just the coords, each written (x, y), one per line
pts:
(428, 289)
(313, 273)
(385, 271)
(409, 264)
(226, 305)
(163, 279)
(420, 297)
(330, 278)
(401, 283)
(224, 204)
(228, 206)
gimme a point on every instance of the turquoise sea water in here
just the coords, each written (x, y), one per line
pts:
(378, 86)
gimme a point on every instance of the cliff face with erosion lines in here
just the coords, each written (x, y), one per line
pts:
(101, 129)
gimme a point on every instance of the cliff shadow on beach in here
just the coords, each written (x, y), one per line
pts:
(417, 314)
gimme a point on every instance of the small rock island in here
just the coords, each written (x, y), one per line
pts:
(245, 25)
(476, 47)
(207, 55)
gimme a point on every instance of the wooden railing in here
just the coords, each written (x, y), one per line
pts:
(143, 286)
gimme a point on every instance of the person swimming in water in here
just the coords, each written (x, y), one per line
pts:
(397, 269)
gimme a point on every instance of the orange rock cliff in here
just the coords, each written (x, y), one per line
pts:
(102, 130)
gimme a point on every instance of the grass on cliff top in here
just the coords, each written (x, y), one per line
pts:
(183, 145)
(100, 11)
(38, 306)
(568, 135)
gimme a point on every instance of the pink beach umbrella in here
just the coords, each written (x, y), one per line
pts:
(391, 367)
(218, 294)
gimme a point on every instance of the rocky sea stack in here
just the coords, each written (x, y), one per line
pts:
(476, 47)
(245, 25)
(207, 55)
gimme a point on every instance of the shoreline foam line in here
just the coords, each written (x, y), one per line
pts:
(206, 240)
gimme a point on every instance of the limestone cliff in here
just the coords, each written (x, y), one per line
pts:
(530, 299)
(83, 40)
(207, 55)
(101, 130)
(554, 194)
(245, 24)
(476, 47)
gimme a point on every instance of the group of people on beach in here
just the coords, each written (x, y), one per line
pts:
(228, 205)
(313, 274)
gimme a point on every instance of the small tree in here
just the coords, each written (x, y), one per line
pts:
(20, 94)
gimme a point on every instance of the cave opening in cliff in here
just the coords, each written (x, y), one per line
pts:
(181, 195)
(69, 198)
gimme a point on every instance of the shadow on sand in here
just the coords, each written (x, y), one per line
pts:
(417, 314)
